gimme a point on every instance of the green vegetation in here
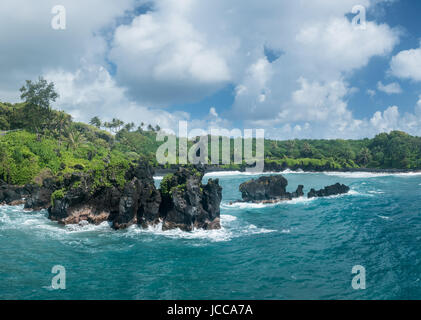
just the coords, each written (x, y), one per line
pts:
(37, 142)
(57, 195)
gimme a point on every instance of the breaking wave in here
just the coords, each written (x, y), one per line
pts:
(37, 223)
(363, 175)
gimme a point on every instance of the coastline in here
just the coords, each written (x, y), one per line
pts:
(163, 172)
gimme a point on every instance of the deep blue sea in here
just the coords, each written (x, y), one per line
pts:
(301, 249)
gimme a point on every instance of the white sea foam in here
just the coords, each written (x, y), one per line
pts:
(376, 192)
(363, 175)
(239, 173)
(229, 173)
(85, 226)
(301, 200)
(247, 205)
(252, 229)
(38, 223)
(384, 217)
(230, 228)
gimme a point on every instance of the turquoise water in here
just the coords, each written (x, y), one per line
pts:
(302, 249)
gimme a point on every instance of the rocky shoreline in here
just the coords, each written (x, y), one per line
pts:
(270, 169)
(184, 202)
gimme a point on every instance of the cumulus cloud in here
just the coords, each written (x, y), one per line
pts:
(30, 47)
(162, 58)
(391, 88)
(91, 91)
(185, 50)
(407, 65)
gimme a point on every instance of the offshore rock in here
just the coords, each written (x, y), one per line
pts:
(268, 189)
(328, 191)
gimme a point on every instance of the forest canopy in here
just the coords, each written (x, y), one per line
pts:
(55, 144)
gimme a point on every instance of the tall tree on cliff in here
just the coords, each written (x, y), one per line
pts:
(38, 97)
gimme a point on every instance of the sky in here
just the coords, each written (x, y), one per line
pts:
(298, 69)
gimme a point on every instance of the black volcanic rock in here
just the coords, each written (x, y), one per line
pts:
(299, 193)
(328, 191)
(39, 197)
(187, 204)
(268, 189)
(137, 202)
(9, 194)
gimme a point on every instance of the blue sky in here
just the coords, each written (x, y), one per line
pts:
(298, 69)
(403, 14)
(400, 14)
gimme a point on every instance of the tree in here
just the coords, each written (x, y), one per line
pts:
(59, 123)
(38, 97)
(129, 126)
(364, 157)
(75, 139)
(107, 125)
(306, 150)
(116, 124)
(95, 121)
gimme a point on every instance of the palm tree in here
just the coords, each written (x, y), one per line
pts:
(75, 139)
(117, 124)
(60, 123)
(129, 126)
(95, 121)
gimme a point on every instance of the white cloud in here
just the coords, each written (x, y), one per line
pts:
(391, 88)
(407, 64)
(186, 50)
(91, 91)
(371, 92)
(162, 58)
(30, 47)
(212, 112)
(386, 121)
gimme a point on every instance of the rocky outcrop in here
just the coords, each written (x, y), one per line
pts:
(268, 189)
(137, 202)
(328, 191)
(272, 189)
(187, 204)
(140, 200)
(182, 202)
(39, 197)
(9, 194)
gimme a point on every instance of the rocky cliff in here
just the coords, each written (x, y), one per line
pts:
(187, 204)
(183, 201)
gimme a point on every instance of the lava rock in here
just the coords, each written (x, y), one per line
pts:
(137, 202)
(268, 189)
(328, 191)
(187, 204)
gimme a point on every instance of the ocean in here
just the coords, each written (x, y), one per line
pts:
(299, 249)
